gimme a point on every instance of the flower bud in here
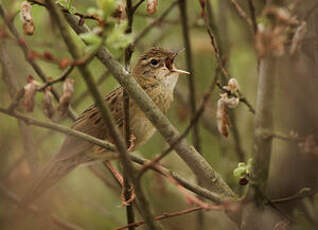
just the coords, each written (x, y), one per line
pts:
(152, 6)
(48, 106)
(26, 18)
(65, 99)
(29, 94)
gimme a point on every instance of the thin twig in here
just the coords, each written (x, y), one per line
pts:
(135, 7)
(59, 79)
(59, 128)
(174, 214)
(189, 63)
(219, 58)
(243, 15)
(303, 193)
(192, 89)
(154, 23)
(127, 187)
(253, 15)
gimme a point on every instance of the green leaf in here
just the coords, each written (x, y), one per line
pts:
(108, 7)
(118, 39)
(95, 11)
(90, 38)
(239, 172)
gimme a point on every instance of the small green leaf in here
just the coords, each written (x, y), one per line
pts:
(90, 38)
(95, 11)
(108, 7)
(239, 172)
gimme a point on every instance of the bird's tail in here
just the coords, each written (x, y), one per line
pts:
(53, 172)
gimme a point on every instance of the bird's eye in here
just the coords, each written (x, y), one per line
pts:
(154, 62)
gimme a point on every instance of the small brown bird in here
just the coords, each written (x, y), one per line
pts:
(157, 75)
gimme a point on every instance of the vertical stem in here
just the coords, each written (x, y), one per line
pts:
(192, 89)
(263, 122)
(127, 132)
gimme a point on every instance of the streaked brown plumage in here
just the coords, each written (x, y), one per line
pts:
(156, 74)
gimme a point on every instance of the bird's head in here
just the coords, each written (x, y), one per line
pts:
(156, 65)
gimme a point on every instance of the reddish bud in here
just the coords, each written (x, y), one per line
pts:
(152, 6)
(48, 55)
(64, 62)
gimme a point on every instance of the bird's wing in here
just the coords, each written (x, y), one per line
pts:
(91, 123)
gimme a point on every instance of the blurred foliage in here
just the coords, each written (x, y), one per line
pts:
(83, 199)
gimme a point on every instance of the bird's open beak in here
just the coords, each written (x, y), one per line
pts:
(170, 60)
(180, 71)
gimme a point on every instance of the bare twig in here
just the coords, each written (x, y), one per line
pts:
(154, 23)
(303, 193)
(192, 89)
(59, 79)
(135, 7)
(243, 15)
(59, 128)
(127, 187)
(173, 214)
(253, 15)
(219, 58)
(191, 82)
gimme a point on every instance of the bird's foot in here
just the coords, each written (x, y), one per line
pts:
(131, 194)
(132, 145)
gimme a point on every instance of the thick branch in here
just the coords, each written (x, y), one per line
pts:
(263, 121)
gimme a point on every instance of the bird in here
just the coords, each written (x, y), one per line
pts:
(156, 73)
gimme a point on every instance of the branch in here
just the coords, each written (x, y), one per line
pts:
(218, 56)
(244, 15)
(191, 82)
(253, 15)
(174, 214)
(196, 162)
(154, 23)
(263, 122)
(76, 52)
(59, 79)
(59, 128)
